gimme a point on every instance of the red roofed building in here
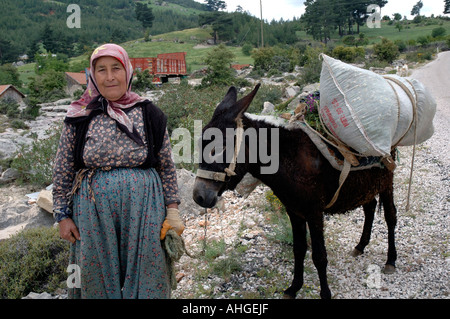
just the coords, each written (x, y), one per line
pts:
(75, 81)
(8, 91)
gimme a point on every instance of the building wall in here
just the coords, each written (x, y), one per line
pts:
(12, 94)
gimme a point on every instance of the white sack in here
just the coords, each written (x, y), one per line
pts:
(369, 113)
(426, 110)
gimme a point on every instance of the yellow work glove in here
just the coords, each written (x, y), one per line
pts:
(172, 221)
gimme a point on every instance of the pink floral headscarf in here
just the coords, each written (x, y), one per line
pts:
(80, 108)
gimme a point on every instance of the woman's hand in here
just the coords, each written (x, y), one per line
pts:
(172, 221)
(68, 230)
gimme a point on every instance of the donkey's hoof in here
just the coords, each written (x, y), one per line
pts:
(389, 269)
(287, 296)
(356, 252)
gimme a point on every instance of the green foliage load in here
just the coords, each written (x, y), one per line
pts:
(34, 260)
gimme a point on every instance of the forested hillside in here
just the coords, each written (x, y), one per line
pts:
(25, 23)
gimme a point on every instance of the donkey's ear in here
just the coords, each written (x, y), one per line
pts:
(228, 101)
(243, 104)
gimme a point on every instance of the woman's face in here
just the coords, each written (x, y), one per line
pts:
(111, 78)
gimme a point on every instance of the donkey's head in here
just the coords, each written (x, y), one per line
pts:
(220, 146)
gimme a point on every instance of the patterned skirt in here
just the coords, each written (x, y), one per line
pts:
(120, 253)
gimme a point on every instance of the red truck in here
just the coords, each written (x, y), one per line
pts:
(163, 67)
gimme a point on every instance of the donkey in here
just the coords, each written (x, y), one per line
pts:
(305, 182)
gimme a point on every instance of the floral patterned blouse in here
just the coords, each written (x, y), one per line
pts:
(107, 146)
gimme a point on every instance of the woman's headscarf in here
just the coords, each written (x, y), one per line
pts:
(114, 109)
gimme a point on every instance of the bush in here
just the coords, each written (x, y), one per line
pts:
(401, 45)
(438, 32)
(47, 87)
(143, 81)
(423, 40)
(247, 49)
(312, 67)
(266, 93)
(9, 107)
(35, 162)
(19, 124)
(386, 50)
(219, 71)
(420, 55)
(263, 58)
(33, 260)
(184, 104)
(348, 54)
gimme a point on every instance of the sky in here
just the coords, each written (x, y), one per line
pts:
(287, 9)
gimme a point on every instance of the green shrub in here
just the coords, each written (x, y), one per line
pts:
(401, 45)
(348, 54)
(247, 49)
(312, 67)
(263, 58)
(47, 87)
(386, 50)
(143, 81)
(420, 55)
(423, 40)
(19, 124)
(9, 107)
(266, 93)
(438, 32)
(33, 260)
(219, 72)
(35, 162)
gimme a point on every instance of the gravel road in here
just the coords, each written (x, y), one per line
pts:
(423, 233)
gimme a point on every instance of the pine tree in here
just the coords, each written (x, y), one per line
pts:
(145, 15)
(416, 9)
(48, 39)
(216, 5)
(447, 6)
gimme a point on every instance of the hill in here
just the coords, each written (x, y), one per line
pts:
(24, 23)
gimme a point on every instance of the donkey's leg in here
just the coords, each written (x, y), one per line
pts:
(390, 215)
(369, 213)
(319, 253)
(300, 246)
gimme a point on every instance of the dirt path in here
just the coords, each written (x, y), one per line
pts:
(436, 77)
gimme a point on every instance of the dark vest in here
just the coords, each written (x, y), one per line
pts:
(155, 122)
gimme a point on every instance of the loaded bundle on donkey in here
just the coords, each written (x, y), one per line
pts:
(306, 179)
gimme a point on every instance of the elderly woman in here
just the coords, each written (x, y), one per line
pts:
(115, 187)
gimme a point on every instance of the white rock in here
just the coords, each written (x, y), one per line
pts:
(45, 201)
